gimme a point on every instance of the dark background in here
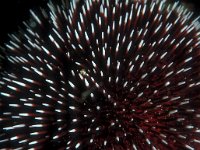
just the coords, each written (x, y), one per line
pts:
(13, 12)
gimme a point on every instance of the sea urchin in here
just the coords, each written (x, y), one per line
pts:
(108, 74)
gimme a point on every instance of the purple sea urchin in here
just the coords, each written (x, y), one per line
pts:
(103, 75)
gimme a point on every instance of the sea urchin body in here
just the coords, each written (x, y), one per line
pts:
(103, 75)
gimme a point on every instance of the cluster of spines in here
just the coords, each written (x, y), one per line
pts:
(109, 74)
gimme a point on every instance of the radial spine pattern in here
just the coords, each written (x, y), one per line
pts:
(108, 74)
